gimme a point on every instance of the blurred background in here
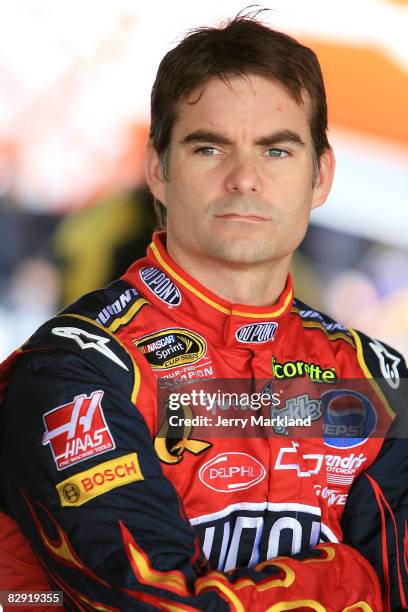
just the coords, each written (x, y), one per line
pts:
(75, 80)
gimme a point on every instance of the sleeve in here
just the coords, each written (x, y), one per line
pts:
(85, 485)
(375, 520)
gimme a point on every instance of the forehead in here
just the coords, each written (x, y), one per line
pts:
(251, 101)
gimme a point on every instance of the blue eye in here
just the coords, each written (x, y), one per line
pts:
(207, 151)
(278, 153)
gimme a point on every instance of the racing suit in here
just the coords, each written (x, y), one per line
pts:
(124, 514)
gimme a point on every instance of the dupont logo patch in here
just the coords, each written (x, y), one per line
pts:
(230, 472)
(170, 348)
(256, 333)
(77, 431)
(161, 285)
(91, 483)
(126, 299)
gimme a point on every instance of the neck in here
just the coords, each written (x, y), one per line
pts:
(253, 285)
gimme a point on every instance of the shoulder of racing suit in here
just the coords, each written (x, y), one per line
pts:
(87, 328)
(91, 323)
(112, 307)
(376, 359)
(314, 319)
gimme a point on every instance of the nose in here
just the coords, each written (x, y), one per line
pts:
(243, 176)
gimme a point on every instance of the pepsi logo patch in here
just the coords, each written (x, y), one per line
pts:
(77, 431)
(230, 472)
(349, 418)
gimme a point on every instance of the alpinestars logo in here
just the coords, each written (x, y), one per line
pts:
(77, 431)
(89, 341)
(388, 364)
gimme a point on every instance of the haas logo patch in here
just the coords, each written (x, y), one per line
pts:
(77, 431)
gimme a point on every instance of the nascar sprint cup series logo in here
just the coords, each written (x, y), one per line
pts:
(169, 348)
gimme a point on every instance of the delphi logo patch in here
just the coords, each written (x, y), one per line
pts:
(77, 431)
(230, 472)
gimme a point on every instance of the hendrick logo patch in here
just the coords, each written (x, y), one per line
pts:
(161, 285)
(77, 431)
(170, 348)
(256, 333)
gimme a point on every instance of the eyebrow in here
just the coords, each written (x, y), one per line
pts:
(274, 138)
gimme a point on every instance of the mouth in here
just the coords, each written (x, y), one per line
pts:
(247, 218)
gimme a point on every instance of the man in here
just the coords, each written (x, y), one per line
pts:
(126, 513)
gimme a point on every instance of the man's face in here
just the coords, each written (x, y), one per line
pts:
(239, 186)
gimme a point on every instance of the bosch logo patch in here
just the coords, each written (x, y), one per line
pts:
(230, 472)
(161, 285)
(256, 333)
(77, 431)
(84, 486)
(71, 493)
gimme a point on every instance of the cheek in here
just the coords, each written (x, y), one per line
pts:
(187, 187)
(297, 186)
(180, 199)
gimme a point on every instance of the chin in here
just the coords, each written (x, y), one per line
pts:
(240, 254)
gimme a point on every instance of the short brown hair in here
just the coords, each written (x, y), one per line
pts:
(240, 47)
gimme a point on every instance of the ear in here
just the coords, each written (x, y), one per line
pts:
(154, 177)
(324, 179)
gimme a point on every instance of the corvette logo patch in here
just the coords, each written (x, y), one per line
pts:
(77, 431)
